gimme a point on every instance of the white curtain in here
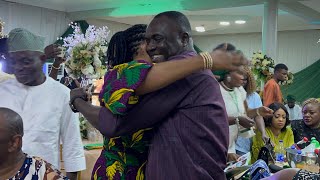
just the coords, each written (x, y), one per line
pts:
(296, 49)
(41, 21)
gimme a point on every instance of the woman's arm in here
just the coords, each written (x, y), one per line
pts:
(165, 73)
(259, 121)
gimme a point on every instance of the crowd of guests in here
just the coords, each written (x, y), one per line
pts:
(173, 120)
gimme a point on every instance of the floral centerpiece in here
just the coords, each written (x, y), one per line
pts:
(85, 53)
(262, 66)
(289, 79)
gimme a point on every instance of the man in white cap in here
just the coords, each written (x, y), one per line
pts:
(43, 105)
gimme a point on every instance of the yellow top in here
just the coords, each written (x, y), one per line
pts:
(257, 144)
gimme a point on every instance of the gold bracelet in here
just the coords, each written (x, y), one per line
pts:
(207, 60)
(57, 68)
(204, 61)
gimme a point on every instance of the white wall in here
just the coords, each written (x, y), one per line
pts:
(44, 22)
(297, 49)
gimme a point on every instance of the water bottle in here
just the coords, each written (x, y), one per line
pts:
(298, 156)
(280, 152)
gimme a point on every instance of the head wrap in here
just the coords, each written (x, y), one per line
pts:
(291, 98)
(221, 74)
(23, 40)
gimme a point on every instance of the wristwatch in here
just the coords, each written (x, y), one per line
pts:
(73, 108)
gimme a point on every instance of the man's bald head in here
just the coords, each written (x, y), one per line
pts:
(11, 122)
(168, 35)
(180, 19)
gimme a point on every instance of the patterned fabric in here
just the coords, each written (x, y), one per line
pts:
(305, 175)
(123, 157)
(301, 130)
(120, 83)
(35, 168)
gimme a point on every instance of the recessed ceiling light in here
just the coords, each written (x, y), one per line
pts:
(200, 29)
(240, 22)
(224, 23)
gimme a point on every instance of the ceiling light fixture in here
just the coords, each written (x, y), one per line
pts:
(224, 23)
(240, 22)
(200, 29)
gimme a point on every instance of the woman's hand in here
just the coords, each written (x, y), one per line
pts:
(233, 157)
(246, 122)
(265, 138)
(265, 111)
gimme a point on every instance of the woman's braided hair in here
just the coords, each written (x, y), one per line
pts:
(251, 82)
(124, 44)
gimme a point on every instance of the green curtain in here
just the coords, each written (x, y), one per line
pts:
(198, 50)
(306, 83)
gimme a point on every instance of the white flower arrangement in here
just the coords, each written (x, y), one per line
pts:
(289, 79)
(85, 53)
(262, 66)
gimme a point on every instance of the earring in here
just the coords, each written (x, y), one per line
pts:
(228, 79)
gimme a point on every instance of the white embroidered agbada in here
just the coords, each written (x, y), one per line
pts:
(47, 121)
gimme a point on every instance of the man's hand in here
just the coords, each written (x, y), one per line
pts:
(246, 122)
(224, 60)
(79, 92)
(54, 51)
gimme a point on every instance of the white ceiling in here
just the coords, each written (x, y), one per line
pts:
(293, 14)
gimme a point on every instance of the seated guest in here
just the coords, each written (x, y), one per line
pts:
(294, 109)
(14, 164)
(276, 129)
(309, 127)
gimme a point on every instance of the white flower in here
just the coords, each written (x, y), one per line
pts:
(88, 70)
(260, 56)
(104, 49)
(265, 62)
